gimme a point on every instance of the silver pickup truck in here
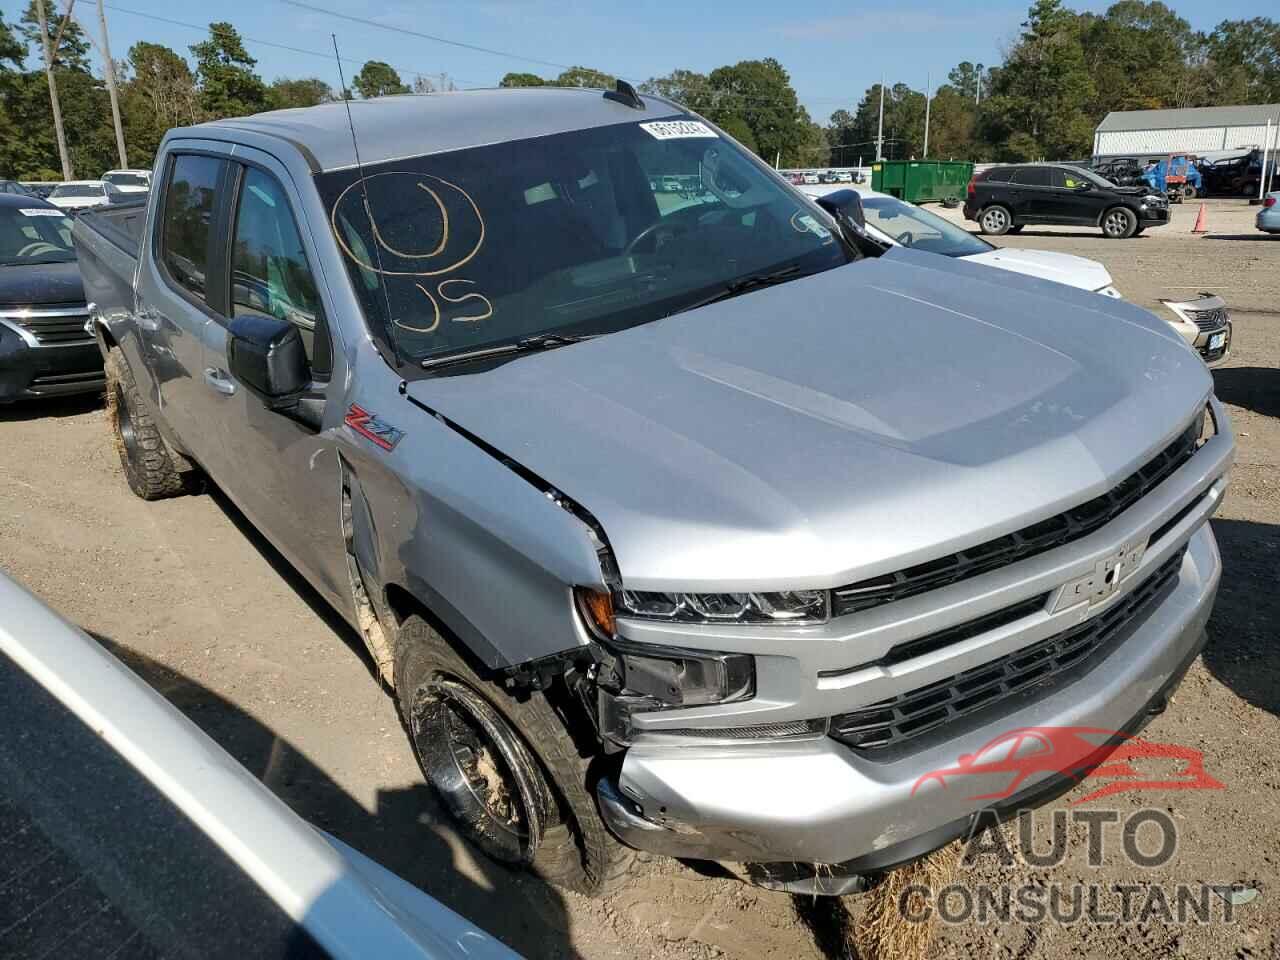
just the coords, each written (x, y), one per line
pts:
(690, 522)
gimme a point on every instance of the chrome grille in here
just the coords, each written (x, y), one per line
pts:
(1021, 544)
(1209, 319)
(1053, 662)
(53, 325)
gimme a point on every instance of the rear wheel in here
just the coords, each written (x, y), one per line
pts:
(995, 220)
(505, 767)
(1188, 192)
(1119, 223)
(147, 463)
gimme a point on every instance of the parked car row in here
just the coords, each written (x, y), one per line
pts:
(114, 186)
(1186, 176)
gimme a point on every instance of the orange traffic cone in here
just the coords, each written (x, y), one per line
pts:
(1202, 225)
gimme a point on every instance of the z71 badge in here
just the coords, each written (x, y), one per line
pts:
(373, 428)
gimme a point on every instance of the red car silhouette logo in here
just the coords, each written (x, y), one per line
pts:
(1077, 752)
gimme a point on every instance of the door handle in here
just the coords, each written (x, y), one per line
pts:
(219, 383)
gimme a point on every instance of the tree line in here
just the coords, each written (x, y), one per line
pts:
(1065, 72)
(158, 87)
(1060, 76)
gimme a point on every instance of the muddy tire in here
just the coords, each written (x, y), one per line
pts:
(995, 220)
(504, 766)
(1119, 223)
(147, 463)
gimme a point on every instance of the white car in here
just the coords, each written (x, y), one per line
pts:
(129, 181)
(811, 179)
(898, 223)
(128, 832)
(76, 195)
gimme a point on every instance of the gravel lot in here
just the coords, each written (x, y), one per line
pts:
(207, 611)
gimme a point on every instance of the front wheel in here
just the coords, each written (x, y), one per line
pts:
(505, 767)
(995, 221)
(1119, 223)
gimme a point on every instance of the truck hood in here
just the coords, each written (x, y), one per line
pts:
(838, 426)
(41, 283)
(1060, 267)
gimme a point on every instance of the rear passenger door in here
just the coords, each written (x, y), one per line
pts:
(285, 476)
(1031, 195)
(179, 294)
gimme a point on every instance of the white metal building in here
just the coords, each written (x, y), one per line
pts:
(1199, 130)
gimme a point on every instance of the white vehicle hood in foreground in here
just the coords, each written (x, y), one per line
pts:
(1061, 267)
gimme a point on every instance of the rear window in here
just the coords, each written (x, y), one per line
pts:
(1032, 176)
(188, 215)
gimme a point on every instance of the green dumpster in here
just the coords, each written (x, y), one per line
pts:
(919, 181)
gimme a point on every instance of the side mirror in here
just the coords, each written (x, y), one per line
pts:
(267, 356)
(846, 207)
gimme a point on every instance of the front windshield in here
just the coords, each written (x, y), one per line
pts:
(34, 235)
(577, 233)
(919, 229)
(126, 179)
(78, 190)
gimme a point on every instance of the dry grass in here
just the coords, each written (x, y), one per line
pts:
(881, 932)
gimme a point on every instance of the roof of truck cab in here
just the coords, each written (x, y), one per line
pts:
(411, 125)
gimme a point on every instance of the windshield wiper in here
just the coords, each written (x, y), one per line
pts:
(744, 285)
(542, 341)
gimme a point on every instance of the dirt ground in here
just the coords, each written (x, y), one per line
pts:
(207, 611)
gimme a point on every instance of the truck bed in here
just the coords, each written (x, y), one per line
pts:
(108, 241)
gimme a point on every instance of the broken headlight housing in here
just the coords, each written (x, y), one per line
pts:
(785, 606)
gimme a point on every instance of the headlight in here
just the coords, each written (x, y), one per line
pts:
(787, 606)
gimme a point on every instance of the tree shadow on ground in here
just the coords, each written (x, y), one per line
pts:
(406, 833)
(1242, 652)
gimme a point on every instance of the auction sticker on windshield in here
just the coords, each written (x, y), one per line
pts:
(41, 212)
(677, 129)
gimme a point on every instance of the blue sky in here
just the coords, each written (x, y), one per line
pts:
(833, 50)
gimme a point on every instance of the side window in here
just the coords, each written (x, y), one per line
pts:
(188, 218)
(999, 174)
(269, 271)
(1031, 176)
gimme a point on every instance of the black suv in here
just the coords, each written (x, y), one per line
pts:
(1005, 199)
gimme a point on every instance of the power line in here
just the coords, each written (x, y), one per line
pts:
(424, 36)
(365, 21)
(208, 28)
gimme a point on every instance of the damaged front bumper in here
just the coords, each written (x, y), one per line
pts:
(812, 815)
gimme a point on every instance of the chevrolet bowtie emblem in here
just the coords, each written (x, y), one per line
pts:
(1108, 573)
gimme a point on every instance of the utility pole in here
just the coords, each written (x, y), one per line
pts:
(880, 127)
(111, 87)
(67, 172)
(928, 102)
(978, 98)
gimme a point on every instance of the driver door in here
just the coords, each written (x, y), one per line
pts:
(283, 475)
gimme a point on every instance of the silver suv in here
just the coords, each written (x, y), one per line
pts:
(698, 523)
